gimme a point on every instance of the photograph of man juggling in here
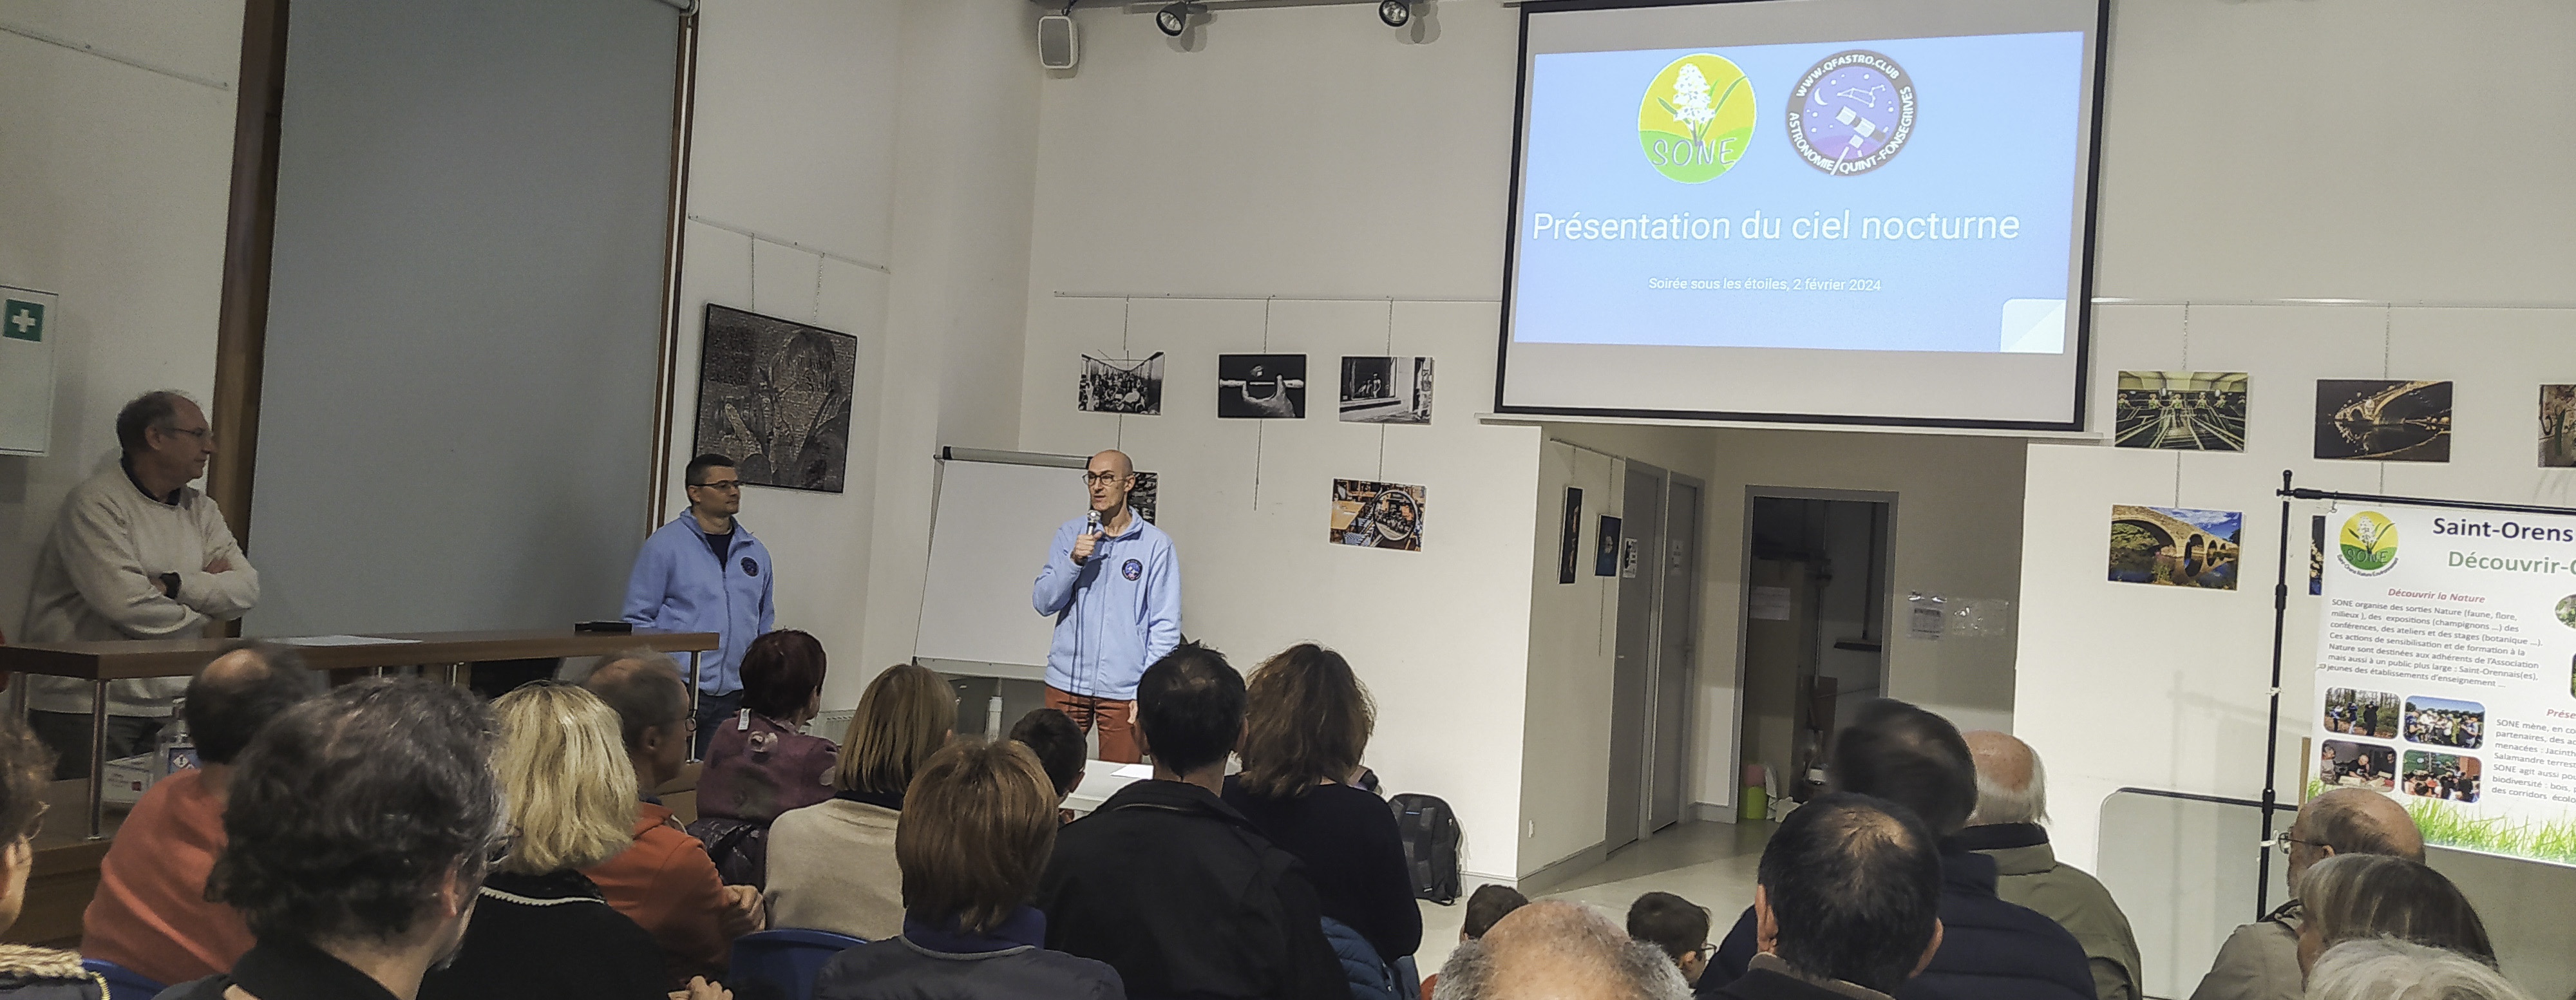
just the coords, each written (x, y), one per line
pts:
(1113, 584)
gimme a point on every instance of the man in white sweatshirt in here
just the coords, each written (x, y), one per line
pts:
(136, 554)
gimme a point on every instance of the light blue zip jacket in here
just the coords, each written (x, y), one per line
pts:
(1115, 614)
(679, 585)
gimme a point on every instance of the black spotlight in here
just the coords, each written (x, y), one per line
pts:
(1173, 19)
(1395, 12)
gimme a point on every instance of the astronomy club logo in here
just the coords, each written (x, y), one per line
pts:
(2368, 543)
(1851, 113)
(1696, 118)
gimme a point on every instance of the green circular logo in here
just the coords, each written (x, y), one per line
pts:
(1697, 118)
(2368, 543)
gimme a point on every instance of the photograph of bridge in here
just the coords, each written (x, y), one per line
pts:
(2389, 421)
(2175, 546)
(2180, 411)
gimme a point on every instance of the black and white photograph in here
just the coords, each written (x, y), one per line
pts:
(1569, 535)
(1377, 515)
(1131, 386)
(1141, 498)
(2382, 420)
(774, 396)
(2180, 411)
(1261, 386)
(1386, 390)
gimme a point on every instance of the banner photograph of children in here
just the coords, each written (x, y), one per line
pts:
(2441, 776)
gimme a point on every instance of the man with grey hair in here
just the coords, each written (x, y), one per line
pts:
(2390, 969)
(2012, 802)
(1558, 951)
(134, 554)
(2261, 960)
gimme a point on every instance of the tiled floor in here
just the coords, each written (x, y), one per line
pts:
(1707, 863)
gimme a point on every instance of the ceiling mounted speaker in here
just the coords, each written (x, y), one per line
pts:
(1059, 44)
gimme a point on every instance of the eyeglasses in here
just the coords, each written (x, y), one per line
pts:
(200, 433)
(1103, 478)
(2285, 840)
(729, 486)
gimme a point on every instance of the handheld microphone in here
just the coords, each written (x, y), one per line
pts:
(1094, 528)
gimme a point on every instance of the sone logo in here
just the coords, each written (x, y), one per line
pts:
(1852, 112)
(1696, 118)
(2368, 543)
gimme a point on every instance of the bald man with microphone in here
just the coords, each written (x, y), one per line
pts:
(1113, 583)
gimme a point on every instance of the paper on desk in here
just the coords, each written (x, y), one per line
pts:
(1139, 771)
(340, 640)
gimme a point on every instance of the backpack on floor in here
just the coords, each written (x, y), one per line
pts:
(1431, 836)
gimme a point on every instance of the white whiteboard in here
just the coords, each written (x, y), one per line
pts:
(988, 539)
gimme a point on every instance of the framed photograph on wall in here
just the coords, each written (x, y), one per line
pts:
(774, 395)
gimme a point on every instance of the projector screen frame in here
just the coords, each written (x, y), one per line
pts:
(2083, 304)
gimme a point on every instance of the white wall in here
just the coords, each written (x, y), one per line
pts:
(1307, 152)
(1573, 657)
(2189, 669)
(870, 145)
(116, 181)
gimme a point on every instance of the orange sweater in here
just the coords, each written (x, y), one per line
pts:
(666, 883)
(151, 914)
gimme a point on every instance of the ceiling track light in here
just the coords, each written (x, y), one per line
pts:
(1395, 12)
(1173, 19)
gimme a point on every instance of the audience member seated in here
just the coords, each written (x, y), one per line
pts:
(2260, 961)
(357, 826)
(28, 972)
(1174, 888)
(832, 865)
(2356, 896)
(1995, 950)
(1058, 744)
(760, 764)
(665, 882)
(2390, 969)
(150, 914)
(1676, 925)
(1306, 721)
(1489, 903)
(1846, 903)
(540, 928)
(2012, 802)
(1558, 951)
(978, 824)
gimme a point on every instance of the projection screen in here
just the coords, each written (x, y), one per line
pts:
(1831, 211)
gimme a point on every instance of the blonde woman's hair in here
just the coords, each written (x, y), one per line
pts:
(905, 715)
(564, 769)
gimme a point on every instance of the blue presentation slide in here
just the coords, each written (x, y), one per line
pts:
(1912, 194)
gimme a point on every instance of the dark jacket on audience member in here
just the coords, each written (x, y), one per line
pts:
(285, 970)
(1990, 949)
(28, 972)
(943, 963)
(1769, 978)
(1184, 897)
(548, 937)
(1354, 857)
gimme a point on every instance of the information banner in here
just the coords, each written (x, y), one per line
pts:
(2446, 672)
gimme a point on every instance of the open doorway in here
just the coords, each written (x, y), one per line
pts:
(1815, 632)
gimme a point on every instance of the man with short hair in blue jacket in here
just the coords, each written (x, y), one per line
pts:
(1113, 583)
(704, 572)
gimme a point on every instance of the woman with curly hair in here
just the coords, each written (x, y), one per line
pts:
(1306, 721)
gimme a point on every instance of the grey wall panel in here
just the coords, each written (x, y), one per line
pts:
(465, 317)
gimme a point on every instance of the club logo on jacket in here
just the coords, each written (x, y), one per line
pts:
(1132, 570)
(750, 567)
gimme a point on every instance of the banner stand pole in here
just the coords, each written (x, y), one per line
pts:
(2272, 730)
